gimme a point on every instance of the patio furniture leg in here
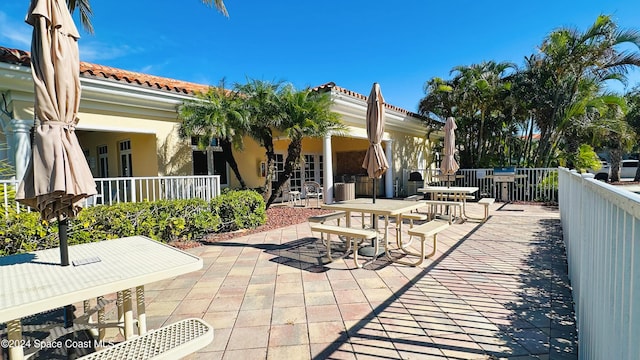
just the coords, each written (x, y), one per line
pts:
(355, 251)
(128, 314)
(14, 335)
(120, 308)
(142, 316)
(101, 319)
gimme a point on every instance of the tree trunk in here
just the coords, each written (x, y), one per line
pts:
(615, 161)
(227, 152)
(291, 162)
(267, 143)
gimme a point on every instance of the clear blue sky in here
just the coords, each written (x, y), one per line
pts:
(353, 43)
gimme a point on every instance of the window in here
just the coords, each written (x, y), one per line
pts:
(209, 161)
(103, 161)
(126, 166)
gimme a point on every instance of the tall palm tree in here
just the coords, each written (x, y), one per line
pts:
(633, 117)
(261, 101)
(483, 87)
(84, 7)
(615, 133)
(307, 114)
(216, 114)
(568, 61)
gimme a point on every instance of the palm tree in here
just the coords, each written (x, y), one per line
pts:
(261, 101)
(633, 118)
(615, 133)
(84, 7)
(307, 114)
(478, 97)
(569, 61)
(216, 114)
(483, 87)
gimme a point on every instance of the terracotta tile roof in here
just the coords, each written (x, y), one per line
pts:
(89, 70)
(331, 85)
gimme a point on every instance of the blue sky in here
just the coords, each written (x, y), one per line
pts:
(353, 43)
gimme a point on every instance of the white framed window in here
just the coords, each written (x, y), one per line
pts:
(103, 161)
(209, 161)
(126, 164)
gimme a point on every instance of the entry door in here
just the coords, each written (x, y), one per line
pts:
(311, 170)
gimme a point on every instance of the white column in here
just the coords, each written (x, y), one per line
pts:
(327, 154)
(389, 175)
(19, 142)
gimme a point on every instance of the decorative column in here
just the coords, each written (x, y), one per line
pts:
(19, 145)
(327, 155)
(389, 175)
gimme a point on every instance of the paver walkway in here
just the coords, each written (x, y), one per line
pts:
(494, 290)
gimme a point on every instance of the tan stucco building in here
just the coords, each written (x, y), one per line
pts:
(128, 127)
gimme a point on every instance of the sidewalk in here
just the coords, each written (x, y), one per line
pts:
(494, 290)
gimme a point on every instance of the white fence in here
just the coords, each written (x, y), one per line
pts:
(529, 184)
(601, 228)
(135, 189)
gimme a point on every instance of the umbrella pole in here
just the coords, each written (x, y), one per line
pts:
(374, 190)
(63, 227)
(369, 251)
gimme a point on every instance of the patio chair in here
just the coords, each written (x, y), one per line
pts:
(291, 196)
(312, 190)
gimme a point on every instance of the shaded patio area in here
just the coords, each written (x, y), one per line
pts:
(494, 290)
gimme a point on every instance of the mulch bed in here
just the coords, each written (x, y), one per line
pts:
(277, 217)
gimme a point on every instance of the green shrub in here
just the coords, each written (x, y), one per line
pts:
(165, 221)
(24, 232)
(239, 209)
(550, 181)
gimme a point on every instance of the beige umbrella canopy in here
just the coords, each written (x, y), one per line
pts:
(375, 161)
(449, 166)
(58, 176)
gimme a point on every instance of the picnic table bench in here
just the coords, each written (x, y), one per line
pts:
(351, 236)
(169, 342)
(486, 202)
(431, 228)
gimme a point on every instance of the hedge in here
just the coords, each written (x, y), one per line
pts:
(165, 221)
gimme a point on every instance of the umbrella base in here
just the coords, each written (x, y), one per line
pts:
(370, 251)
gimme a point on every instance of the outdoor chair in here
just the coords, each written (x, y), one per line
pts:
(291, 196)
(312, 190)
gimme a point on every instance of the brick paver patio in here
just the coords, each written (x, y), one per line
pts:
(494, 290)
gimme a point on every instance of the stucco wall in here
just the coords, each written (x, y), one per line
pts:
(143, 151)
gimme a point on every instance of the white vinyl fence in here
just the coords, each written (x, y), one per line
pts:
(134, 189)
(601, 229)
(529, 185)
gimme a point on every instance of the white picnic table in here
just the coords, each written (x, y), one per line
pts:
(455, 193)
(35, 282)
(382, 207)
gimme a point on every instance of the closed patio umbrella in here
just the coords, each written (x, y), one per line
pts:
(375, 161)
(449, 165)
(58, 176)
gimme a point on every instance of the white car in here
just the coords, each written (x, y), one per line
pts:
(603, 172)
(628, 169)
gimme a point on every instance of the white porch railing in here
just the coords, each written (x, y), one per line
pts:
(601, 228)
(152, 188)
(134, 189)
(7, 189)
(528, 186)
